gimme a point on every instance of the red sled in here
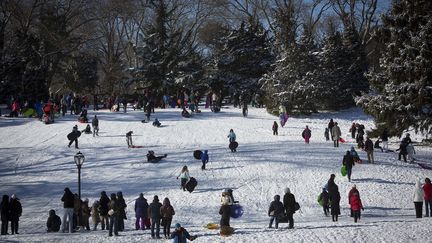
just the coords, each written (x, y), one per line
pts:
(341, 140)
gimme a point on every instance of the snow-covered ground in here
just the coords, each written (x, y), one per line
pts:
(36, 165)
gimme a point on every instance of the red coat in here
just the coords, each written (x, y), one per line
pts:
(427, 189)
(355, 202)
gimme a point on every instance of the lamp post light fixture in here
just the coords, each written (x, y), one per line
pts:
(79, 161)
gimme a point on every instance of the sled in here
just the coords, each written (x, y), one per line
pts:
(344, 170)
(197, 154)
(233, 145)
(226, 231)
(425, 166)
(29, 112)
(73, 135)
(191, 184)
(283, 119)
(136, 146)
(236, 211)
(211, 226)
(341, 140)
(320, 200)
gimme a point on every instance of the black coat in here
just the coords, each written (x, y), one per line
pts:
(122, 207)
(53, 222)
(16, 209)
(369, 146)
(103, 208)
(334, 203)
(324, 196)
(277, 208)
(154, 210)
(289, 203)
(332, 189)
(348, 161)
(384, 136)
(225, 211)
(68, 199)
(5, 210)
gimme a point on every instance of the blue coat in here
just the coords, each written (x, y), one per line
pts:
(141, 207)
(204, 157)
(180, 236)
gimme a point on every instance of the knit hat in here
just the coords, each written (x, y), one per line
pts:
(177, 225)
(287, 190)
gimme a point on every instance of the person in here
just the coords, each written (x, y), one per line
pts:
(16, 211)
(407, 139)
(147, 110)
(275, 128)
(232, 139)
(355, 155)
(103, 210)
(225, 212)
(230, 194)
(184, 177)
(289, 206)
(330, 126)
(167, 212)
(348, 161)
(121, 204)
(77, 213)
(355, 203)
(275, 211)
(245, 109)
(141, 214)
(185, 113)
(114, 213)
(83, 116)
(336, 133)
(334, 197)
(68, 205)
(410, 152)
(53, 222)
(155, 217)
(85, 214)
(129, 139)
(326, 134)
(156, 123)
(5, 214)
(402, 150)
(353, 190)
(418, 197)
(384, 138)
(369, 147)
(306, 134)
(226, 199)
(95, 214)
(73, 136)
(181, 235)
(204, 159)
(152, 158)
(353, 130)
(95, 124)
(427, 191)
(87, 130)
(324, 198)
(377, 145)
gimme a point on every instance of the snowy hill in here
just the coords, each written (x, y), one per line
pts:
(36, 165)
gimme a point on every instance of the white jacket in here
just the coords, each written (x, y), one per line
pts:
(418, 192)
(184, 175)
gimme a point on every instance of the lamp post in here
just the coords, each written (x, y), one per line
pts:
(79, 161)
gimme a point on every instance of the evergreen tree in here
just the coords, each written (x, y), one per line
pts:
(401, 95)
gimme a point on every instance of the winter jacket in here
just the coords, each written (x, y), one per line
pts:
(181, 235)
(334, 203)
(333, 190)
(5, 209)
(336, 133)
(289, 203)
(103, 208)
(427, 191)
(95, 212)
(53, 222)
(225, 211)
(306, 133)
(68, 199)
(16, 209)
(141, 207)
(369, 147)
(418, 195)
(167, 211)
(184, 175)
(232, 137)
(276, 208)
(204, 157)
(330, 125)
(384, 136)
(403, 148)
(275, 126)
(355, 202)
(85, 210)
(324, 197)
(95, 122)
(154, 210)
(121, 205)
(348, 161)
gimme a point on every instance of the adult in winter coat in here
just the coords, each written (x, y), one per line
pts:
(167, 213)
(384, 139)
(306, 134)
(122, 211)
(184, 177)
(95, 125)
(5, 214)
(114, 214)
(289, 206)
(181, 235)
(68, 205)
(95, 214)
(53, 222)
(403, 150)
(353, 130)
(369, 148)
(275, 128)
(324, 198)
(103, 210)
(418, 197)
(427, 191)
(334, 197)
(410, 152)
(356, 204)
(141, 213)
(85, 214)
(73, 136)
(336, 134)
(204, 159)
(407, 139)
(275, 211)
(330, 126)
(155, 217)
(348, 161)
(16, 211)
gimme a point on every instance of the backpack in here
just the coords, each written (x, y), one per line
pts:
(296, 206)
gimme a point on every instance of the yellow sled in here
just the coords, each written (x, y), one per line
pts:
(211, 226)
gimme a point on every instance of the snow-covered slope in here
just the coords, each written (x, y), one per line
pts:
(36, 165)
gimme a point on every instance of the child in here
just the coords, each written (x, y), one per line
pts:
(53, 222)
(275, 128)
(324, 198)
(129, 139)
(95, 124)
(276, 211)
(95, 214)
(87, 130)
(232, 139)
(204, 159)
(184, 177)
(156, 123)
(326, 134)
(356, 205)
(306, 134)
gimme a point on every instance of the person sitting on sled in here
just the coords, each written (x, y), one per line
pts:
(152, 158)
(156, 123)
(87, 130)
